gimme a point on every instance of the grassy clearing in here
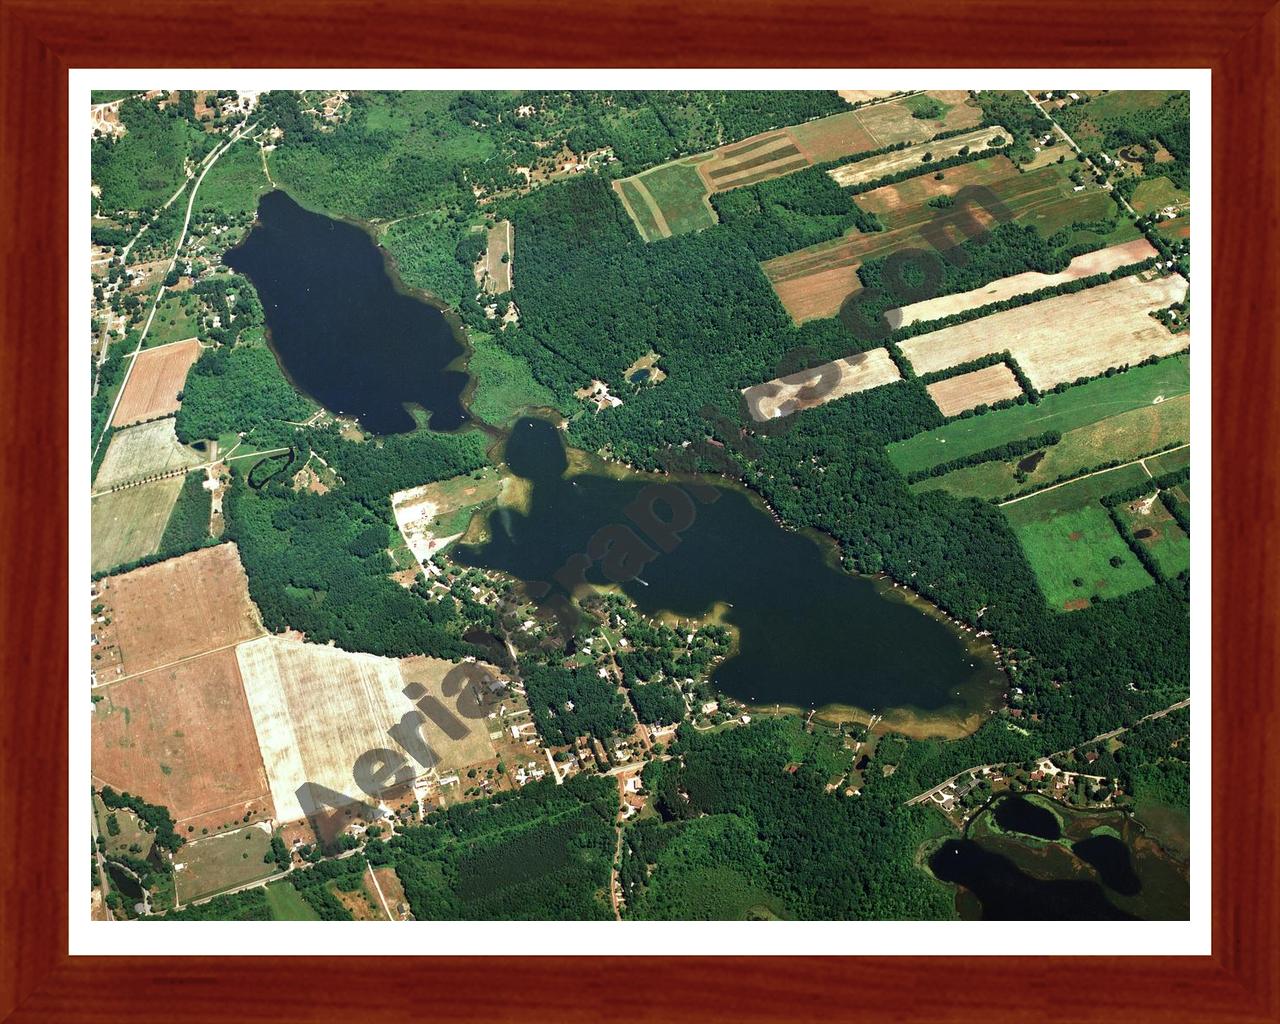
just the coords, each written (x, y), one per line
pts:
(1156, 530)
(127, 525)
(1169, 461)
(640, 212)
(221, 862)
(1157, 193)
(1074, 495)
(679, 191)
(235, 182)
(1125, 436)
(1072, 552)
(504, 383)
(287, 905)
(175, 320)
(1076, 407)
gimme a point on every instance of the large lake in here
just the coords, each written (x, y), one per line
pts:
(810, 634)
(342, 328)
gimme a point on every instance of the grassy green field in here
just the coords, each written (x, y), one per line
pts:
(1155, 529)
(287, 905)
(129, 831)
(221, 862)
(175, 320)
(504, 383)
(1156, 193)
(128, 524)
(1127, 435)
(1074, 495)
(1076, 407)
(1079, 545)
(1169, 461)
(235, 182)
(681, 196)
(640, 211)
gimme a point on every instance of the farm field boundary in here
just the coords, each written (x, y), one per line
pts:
(674, 198)
(1066, 337)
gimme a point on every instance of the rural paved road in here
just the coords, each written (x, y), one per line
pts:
(928, 794)
(209, 161)
(1072, 143)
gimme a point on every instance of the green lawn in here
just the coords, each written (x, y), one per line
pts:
(1155, 529)
(220, 862)
(287, 905)
(1127, 435)
(1074, 495)
(1169, 461)
(1079, 545)
(681, 195)
(1157, 193)
(504, 383)
(1075, 407)
(175, 319)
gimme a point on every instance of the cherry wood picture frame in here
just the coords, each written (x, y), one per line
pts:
(40, 40)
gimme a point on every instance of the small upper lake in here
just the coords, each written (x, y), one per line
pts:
(810, 634)
(342, 328)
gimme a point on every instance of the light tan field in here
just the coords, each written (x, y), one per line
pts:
(157, 376)
(317, 710)
(181, 736)
(969, 390)
(1101, 261)
(493, 274)
(810, 388)
(179, 608)
(1064, 337)
(900, 160)
(146, 450)
(127, 524)
(862, 95)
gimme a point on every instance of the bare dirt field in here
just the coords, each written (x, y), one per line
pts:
(318, 709)
(179, 608)
(1101, 261)
(1064, 337)
(901, 159)
(862, 95)
(967, 391)
(810, 388)
(158, 375)
(492, 273)
(815, 281)
(181, 736)
(146, 450)
(127, 524)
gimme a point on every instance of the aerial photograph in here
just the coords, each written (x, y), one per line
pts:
(620, 505)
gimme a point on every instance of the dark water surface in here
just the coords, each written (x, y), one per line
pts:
(1017, 814)
(1007, 893)
(341, 329)
(810, 634)
(1100, 865)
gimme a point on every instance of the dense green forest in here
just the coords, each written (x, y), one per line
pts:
(142, 169)
(746, 831)
(567, 704)
(188, 525)
(236, 389)
(542, 853)
(319, 562)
